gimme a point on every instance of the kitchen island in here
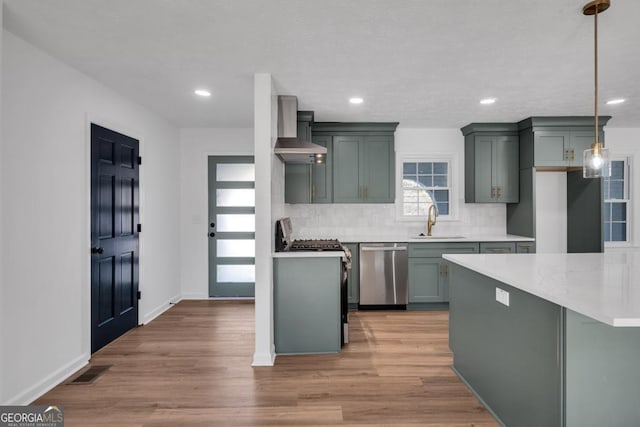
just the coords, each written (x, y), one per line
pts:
(549, 339)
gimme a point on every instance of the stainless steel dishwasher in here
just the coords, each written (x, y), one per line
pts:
(383, 275)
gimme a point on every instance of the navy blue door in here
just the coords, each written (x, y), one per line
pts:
(114, 235)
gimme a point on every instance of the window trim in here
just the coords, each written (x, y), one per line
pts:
(628, 172)
(452, 159)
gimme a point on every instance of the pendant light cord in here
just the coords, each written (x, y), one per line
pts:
(595, 45)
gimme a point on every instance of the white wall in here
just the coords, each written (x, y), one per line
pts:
(46, 265)
(348, 221)
(626, 141)
(196, 145)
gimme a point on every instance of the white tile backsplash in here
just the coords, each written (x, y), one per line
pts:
(348, 221)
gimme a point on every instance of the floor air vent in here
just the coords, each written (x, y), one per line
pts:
(90, 375)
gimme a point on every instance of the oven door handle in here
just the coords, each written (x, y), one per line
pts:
(383, 248)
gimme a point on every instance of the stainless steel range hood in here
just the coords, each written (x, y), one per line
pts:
(288, 147)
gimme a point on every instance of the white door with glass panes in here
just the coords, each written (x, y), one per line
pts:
(231, 226)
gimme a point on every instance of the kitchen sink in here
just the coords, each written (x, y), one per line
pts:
(423, 237)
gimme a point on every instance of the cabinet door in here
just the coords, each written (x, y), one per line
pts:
(483, 169)
(497, 247)
(322, 174)
(525, 247)
(346, 166)
(506, 171)
(425, 280)
(377, 165)
(297, 183)
(297, 177)
(580, 141)
(550, 147)
(304, 131)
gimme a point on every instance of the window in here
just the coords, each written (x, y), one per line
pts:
(425, 183)
(617, 202)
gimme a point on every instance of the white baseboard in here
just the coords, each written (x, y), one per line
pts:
(194, 296)
(49, 382)
(265, 359)
(161, 309)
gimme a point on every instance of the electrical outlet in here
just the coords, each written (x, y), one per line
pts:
(502, 296)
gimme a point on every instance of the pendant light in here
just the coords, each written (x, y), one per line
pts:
(596, 159)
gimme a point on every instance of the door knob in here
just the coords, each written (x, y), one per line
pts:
(212, 234)
(213, 224)
(97, 250)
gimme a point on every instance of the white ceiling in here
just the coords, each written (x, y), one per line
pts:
(424, 63)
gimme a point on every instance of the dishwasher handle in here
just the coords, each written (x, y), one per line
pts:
(383, 248)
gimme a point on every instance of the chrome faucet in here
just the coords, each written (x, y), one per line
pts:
(431, 222)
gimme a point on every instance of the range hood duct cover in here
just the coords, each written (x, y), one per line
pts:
(288, 147)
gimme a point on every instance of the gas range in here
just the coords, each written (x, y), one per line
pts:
(316, 245)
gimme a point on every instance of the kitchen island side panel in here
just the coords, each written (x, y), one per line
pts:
(307, 305)
(602, 375)
(511, 356)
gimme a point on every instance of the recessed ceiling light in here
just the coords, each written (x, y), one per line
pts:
(202, 92)
(487, 101)
(356, 100)
(615, 101)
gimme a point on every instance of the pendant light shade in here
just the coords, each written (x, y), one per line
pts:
(596, 162)
(596, 159)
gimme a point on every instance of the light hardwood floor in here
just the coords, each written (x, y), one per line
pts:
(192, 366)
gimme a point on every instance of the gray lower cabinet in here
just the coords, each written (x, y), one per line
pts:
(491, 163)
(525, 247)
(306, 303)
(497, 247)
(426, 280)
(429, 273)
(353, 279)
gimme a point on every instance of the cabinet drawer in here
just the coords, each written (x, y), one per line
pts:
(427, 250)
(498, 248)
(525, 247)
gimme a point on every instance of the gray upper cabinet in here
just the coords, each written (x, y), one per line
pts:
(556, 142)
(297, 183)
(322, 174)
(363, 168)
(297, 177)
(491, 163)
(562, 148)
(362, 161)
(377, 166)
(346, 168)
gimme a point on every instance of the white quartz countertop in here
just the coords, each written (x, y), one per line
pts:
(602, 286)
(308, 254)
(435, 238)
